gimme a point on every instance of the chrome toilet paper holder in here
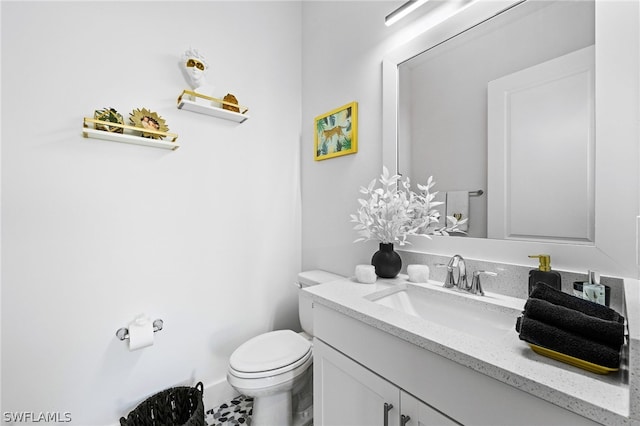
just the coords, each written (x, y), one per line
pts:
(123, 333)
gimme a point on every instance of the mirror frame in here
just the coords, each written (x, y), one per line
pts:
(614, 251)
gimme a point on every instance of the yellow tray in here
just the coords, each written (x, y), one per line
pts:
(576, 362)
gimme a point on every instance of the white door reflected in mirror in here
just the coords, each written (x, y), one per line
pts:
(541, 152)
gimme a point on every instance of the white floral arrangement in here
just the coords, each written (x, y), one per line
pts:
(392, 212)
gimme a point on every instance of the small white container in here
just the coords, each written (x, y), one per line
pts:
(366, 274)
(418, 273)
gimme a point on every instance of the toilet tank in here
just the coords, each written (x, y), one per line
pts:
(305, 305)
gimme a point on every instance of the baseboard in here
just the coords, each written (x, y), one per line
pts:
(216, 393)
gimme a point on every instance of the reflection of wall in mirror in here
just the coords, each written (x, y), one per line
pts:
(443, 92)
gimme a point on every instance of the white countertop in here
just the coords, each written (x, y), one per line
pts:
(603, 398)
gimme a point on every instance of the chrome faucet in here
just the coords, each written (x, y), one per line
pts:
(457, 273)
(457, 276)
(476, 286)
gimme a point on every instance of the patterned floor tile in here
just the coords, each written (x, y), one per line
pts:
(238, 411)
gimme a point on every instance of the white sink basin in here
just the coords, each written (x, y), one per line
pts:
(488, 317)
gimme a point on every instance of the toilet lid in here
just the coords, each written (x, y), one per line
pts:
(269, 351)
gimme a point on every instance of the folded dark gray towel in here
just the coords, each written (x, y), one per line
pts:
(550, 337)
(557, 297)
(610, 333)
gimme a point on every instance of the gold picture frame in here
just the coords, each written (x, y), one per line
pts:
(336, 132)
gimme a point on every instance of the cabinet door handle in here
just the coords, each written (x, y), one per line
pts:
(404, 420)
(387, 408)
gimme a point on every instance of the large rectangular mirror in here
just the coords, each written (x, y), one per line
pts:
(444, 94)
(468, 102)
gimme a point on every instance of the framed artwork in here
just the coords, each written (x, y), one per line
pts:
(336, 132)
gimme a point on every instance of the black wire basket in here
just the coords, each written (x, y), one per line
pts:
(177, 406)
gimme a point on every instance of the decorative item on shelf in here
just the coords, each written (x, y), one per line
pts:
(392, 212)
(185, 102)
(230, 99)
(336, 132)
(129, 134)
(200, 98)
(148, 120)
(110, 115)
(196, 68)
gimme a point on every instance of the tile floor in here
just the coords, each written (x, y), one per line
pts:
(238, 411)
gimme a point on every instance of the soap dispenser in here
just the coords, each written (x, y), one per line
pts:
(544, 274)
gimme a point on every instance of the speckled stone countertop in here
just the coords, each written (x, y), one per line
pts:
(612, 399)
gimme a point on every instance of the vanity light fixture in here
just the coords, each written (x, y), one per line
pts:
(403, 11)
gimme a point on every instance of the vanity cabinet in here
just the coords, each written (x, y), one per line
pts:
(346, 393)
(358, 367)
(421, 414)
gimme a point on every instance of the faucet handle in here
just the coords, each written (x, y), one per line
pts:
(476, 286)
(448, 281)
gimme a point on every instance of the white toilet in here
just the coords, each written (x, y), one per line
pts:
(275, 368)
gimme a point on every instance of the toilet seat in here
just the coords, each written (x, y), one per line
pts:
(270, 354)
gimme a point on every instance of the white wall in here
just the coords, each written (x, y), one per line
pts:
(358, 41)
(343, 46)
(206, 237)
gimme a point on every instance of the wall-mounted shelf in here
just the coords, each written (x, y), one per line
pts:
(90, 130)
(211, 110)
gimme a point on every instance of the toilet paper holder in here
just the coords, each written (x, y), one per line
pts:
(123, 333)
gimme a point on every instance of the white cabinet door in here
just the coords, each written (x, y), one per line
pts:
(346, 393)
(420, 414)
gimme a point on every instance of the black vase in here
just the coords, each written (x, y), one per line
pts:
(386, 261)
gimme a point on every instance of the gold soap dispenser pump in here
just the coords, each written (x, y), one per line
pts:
(544, 274)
